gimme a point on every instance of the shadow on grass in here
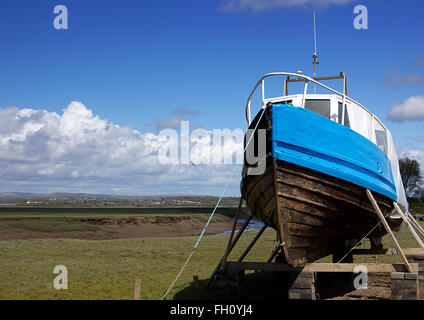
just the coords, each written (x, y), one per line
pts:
(266, 286)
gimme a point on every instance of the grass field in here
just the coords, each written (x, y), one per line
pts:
(107, 269)
(55, 223)
(417, 207)
(16, 212)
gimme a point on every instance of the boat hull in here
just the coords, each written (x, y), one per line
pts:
(314, 213)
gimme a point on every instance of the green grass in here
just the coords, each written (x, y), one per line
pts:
(417, 207)
(13, 212)
(107, 269)
(58, 223)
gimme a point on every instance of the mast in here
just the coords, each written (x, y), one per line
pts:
(315, 56)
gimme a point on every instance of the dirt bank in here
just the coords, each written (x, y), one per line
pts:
(123, 228)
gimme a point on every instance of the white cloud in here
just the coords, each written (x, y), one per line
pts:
(414, 154)
(77, 151)
(412, 109)
(259, 5)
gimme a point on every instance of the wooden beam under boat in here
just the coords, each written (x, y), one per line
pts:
(321, 267)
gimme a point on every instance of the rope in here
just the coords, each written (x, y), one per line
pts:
(212, 214)
(179, 274)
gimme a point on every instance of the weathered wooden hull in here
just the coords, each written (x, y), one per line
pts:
(315, 214)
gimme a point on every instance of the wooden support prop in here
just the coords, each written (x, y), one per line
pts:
(236, 239)
(387, 227)
(411, 228)
(137, 289)
(230, 240)
(274, 253)
(322, 267)
(258, 235)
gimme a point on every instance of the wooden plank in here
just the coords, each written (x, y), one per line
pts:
(137, 289)
(387, 227)
(370, 251)
(413, 251)
(321, 267)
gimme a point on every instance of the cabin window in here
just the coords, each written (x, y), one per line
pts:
(321, 107)
(346, 119)
(285, 102)
(381, 138)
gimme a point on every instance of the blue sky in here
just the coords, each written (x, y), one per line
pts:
(136, 62)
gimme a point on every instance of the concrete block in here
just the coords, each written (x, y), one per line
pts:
(405, 295)
(406, 288)
(302, 286)
(412, 275)
(294, 295)
(306, 274)
(398, 275)
(403, 291)
(308, 296)
(302, 283)
(410, 296)
(397, 283)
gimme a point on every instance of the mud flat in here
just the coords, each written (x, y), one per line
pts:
(110, 228)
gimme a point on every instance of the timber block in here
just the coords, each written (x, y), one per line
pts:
(302, 286)
(405, 286)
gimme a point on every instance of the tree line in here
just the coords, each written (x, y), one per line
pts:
(412, 178)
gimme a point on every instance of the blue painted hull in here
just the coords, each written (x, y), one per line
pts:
(313, 189)
(309, 140)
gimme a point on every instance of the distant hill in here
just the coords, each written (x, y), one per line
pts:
(67, 195)
(65, 199)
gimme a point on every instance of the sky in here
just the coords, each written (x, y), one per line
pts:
(81, 108)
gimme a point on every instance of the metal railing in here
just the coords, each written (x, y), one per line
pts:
(307, 79)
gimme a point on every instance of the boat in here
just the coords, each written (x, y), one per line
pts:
(323, 151)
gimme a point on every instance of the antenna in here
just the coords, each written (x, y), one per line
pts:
(315, 34)
(315, 57)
